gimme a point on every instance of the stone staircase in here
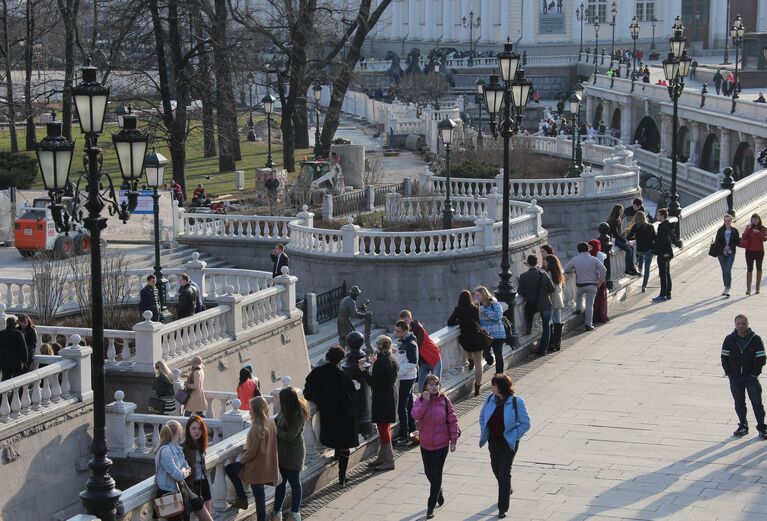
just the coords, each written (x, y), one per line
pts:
(170, 257)
(327, 336)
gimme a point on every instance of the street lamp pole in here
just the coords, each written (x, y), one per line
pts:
(154, 166)
(737, 31)
(576, 153)
(675, 68)
(268, 102)
(634, 28)
(511, 96)
(445, 128)
(727, 40)
(580, 14)
(480, 84)
(471, 25)
(317, 91)
(596, 48)
(251, 134)
(614, 13)
(654, 22)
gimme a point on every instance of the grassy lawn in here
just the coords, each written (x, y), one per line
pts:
(197, 166)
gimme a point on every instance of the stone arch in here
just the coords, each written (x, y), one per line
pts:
(684, 143)
(743, 162)
(615, 123)
(597, 115)
(648, 135)
(709, 159)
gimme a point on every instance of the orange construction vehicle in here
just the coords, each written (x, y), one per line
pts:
(35, 232)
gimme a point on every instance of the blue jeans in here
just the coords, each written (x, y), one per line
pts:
(644, 258)
(629, 253)
(259, 494)
(726, 262)
(404, 408)
(739, 387)
(543, 345)
(556, 316)
(293, 477)
(424, 369)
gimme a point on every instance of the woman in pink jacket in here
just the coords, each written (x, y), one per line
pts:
(438, 430)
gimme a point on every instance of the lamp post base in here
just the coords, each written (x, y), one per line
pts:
(251, 136)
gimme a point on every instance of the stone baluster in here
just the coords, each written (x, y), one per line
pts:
(486, 238)
(149, 343)
(494, 205)
(350, 240)
(535, 211)
(120, 430)
(288, 297)
(195, 268)
(306, 217)
(276, 394)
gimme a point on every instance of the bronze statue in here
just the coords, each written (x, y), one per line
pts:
(347, 311)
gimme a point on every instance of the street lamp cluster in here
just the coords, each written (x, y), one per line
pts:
(737, 30)
(317, 91)
(576, 160)
(675, 69)
(54, 154)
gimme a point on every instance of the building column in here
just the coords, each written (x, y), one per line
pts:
(486, 26)
(464, 32)
(528, 27)
(665, 134)
(626, 123)
(396, 21)
(761, 16)
(717, 26)
(589, 112)
(694, 143)
(725, 156)
(430, 22)
(505, 20)
(413, 21)
(447, 21)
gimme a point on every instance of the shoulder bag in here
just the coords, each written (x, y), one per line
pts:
(169, 505)
(516, 420)
(714, 250)
(447, 419)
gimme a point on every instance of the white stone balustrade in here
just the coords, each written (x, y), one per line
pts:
(249, 227)
(43, 390)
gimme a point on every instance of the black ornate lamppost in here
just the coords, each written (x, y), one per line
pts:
(737, 30)
(480, 84)
(317, 91)
(268, 102)
(580, 15)
(54, 154)
(445, 128)
(121, 111)
(614, 14)
(634, 28)
(675, 68)
(653, 22)
(576, 157)
(251, 78)
(471, 25)
(726, 60)
(154, 167)
(596, 48)
(511, 97)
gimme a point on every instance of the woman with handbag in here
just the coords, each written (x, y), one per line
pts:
(553, 267)
(491, 320)
(196, 402)
(472, 338)
(752, 240)
(503, 421)
(195, 445)
(726, 243)
(257, 465)
(174, 501)
(382, 379)
(438, 429)
(294, 411)
(164, 401)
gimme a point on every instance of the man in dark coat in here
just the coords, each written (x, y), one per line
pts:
(332, 391)
(535, 286)
(279, 259)
(187, 297)
(150, 298)
(13, 350)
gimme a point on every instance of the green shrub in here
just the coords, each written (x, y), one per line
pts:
(17, 169)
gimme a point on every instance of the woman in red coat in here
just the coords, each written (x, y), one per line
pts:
(600, 302)
(752, 240)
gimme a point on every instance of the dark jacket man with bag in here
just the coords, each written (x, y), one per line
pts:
(150, 298)
(535, 286)
(743, 357)
(187, 297)
(13, 350)
(663, 249)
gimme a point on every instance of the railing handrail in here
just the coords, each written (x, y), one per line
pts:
(36, 375)
(181, 323)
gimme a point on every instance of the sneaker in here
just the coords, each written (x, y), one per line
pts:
(501, 515)
(644, 288)
(742, 430)
(660, 298)
(400, 442)
(763, 435)
(589, 328)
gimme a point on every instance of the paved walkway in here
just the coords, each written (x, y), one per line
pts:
(632, 421)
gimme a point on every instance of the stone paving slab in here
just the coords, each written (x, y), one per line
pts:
(632, 421)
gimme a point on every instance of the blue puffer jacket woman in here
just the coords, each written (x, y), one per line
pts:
(491, 320)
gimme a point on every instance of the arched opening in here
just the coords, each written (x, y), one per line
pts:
(683, 144)
(597, 116)
(615, 123)
(743, 163)
(710, 157)
(648, 135)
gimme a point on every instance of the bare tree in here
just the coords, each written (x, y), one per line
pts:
(374, 172)
(422, 89)
(115, 285)
(48, 279)
(9, 15)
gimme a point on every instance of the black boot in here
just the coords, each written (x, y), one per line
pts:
(343, 463)
(556, 337)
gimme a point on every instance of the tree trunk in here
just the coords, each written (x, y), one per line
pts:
(300, 118)
(9, 82)
(68, 12)
(178, 129)
(28, 56)
(176, 145)
(225, 105)
(205, 86)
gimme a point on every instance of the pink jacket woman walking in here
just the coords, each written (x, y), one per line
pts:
(438, 431)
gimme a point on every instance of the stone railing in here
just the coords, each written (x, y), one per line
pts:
(239, 227)
(118, 344)
(65, 380)
(466, 63)
(696, 181)
(353, 241)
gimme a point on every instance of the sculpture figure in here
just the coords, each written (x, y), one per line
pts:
(347, 311)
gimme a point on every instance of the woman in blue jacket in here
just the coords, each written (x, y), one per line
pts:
(503, 421)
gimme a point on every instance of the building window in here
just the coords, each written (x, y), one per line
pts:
(596, 8)
(646, 10)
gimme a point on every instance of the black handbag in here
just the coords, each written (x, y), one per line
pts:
(714, 250)
(156, 405)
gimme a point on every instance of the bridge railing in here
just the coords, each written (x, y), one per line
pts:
(249, 227)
